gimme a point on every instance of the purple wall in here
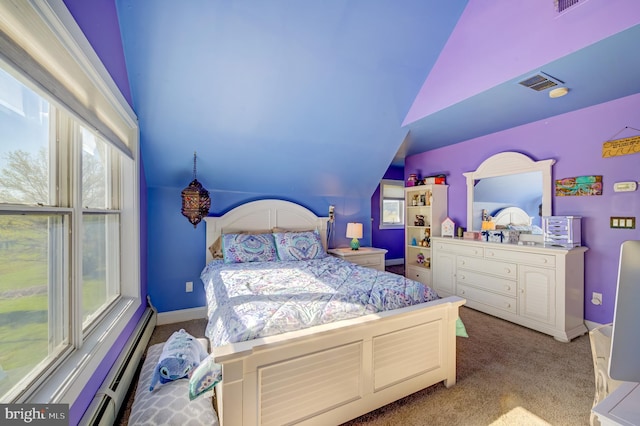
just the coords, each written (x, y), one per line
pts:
(390, 239)
(98, 20)
(575, 141)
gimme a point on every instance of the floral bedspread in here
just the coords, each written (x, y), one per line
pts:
(257, 299)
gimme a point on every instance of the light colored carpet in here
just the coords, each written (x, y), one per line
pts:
(507, 375)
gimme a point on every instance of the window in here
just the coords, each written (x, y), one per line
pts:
(391, 204)
(69, 239)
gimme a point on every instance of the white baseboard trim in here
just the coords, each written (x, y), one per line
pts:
(392, 262)
(182, 315)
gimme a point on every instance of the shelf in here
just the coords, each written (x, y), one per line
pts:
(415, 265)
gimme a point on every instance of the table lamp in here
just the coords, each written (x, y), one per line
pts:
(354, 231)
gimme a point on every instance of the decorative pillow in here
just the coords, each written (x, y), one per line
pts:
(216, 249)
(181, 354)
(168, 405)
(299, 245)
(461, 330)
(240, 248)
(204, 377)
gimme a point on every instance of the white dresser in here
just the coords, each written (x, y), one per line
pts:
(535, 286)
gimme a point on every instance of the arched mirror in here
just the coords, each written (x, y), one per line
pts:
(512, 188)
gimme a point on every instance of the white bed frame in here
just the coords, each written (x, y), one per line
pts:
(331, 373)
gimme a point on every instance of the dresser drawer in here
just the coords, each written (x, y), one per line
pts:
(521, 257)
(370, 260)
(491, 299)
(419, 273)
(503, 269)
(469, 250)
(486, 282)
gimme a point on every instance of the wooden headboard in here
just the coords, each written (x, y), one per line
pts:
(264, 215)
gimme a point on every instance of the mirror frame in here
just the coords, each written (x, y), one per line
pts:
(508, 163)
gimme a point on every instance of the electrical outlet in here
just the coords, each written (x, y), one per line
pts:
(596, 298)
(189, 287)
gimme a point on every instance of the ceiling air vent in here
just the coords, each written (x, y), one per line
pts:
(540, 81)
(562, 5)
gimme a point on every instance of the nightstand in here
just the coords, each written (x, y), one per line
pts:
(370, 257)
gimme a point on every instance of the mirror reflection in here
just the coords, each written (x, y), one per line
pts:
(492, 195)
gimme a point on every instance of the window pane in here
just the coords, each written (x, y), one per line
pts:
(24, 152)
(100, 265)
(33, 291)
(95, 167)
(393, 212)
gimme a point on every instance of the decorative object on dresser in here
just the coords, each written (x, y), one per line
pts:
(448, 227)
(370, 257)
(354, 231)
(421, 223)
(195, 199)
(562, 231)
(535, 286)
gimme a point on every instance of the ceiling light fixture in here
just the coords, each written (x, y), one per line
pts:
(558, 92)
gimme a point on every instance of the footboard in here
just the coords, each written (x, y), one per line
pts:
(333, 373)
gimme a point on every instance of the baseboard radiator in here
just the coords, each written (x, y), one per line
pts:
(107, 402)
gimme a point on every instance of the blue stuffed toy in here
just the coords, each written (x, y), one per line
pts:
(180, 356)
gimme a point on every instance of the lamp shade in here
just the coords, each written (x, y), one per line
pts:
(354, 230)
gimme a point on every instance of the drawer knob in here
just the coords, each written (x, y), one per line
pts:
(508, 305)
(491, 253)
(507, 270)
(462, 262)
(461, 291)
(507, 287)
(463, 277)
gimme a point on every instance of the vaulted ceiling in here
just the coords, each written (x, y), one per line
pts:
(289, 97)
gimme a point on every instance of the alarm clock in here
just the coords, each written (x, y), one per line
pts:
(447, 228)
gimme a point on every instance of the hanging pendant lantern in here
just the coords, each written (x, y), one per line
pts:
(195, 199)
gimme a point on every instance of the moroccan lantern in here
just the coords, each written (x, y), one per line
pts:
(195, 199)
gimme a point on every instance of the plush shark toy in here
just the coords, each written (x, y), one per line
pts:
(180, 356)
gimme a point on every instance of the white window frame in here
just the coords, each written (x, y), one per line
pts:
(400, 184)
(55, 31)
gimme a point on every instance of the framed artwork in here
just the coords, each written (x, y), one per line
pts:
(577, 186)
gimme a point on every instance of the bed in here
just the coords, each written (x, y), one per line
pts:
(331, 372)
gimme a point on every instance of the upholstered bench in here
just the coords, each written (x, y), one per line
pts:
(169, 404)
